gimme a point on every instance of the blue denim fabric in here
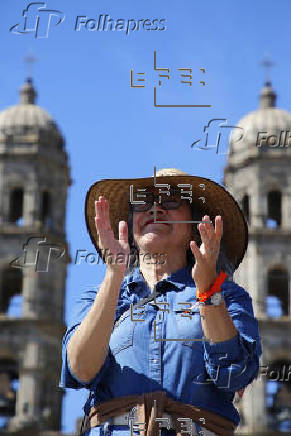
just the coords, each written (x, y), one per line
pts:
(167, 351)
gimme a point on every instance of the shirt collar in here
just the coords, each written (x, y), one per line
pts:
(179, 278)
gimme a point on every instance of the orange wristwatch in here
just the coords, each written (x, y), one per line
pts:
(215, 288)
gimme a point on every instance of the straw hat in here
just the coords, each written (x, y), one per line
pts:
(218, 201)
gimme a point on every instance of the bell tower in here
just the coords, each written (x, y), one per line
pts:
(258, 174)
(34, 179)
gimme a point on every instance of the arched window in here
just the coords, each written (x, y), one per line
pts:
(246, 207)
(278, 395)
(274, 209)
(16, 206)
(46, 212)
(278, 293)
(11, 292)
(9, 379)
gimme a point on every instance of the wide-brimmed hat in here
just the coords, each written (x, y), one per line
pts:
(218, 201)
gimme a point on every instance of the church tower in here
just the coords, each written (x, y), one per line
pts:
(34, 179)
(258, 174)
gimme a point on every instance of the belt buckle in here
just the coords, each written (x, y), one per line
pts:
(193, 427)
(164, 422)
(132, 416)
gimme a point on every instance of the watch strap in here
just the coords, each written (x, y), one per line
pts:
(216, 287)
(208, 301)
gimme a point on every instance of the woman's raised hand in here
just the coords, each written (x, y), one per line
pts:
(107, 242)
(204, 270)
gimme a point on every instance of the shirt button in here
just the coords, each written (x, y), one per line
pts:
(155, 360)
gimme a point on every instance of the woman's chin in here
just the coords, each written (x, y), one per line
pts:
(152, 242)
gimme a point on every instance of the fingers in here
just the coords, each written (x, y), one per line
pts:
(104, 229)
(106, 213)
(211, 237)
(196, 251)
(205, 238)
(211, 232)
(123, 233)
(102, 220)
(218, 227)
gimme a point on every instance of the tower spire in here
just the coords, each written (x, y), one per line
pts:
(27, 92)
(29, 60)
(267, 64)
(268, 96)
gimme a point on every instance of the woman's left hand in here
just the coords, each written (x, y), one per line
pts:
(204, 270)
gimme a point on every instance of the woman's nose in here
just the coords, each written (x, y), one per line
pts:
(158, 208)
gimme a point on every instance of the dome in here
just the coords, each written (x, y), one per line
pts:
(26, 116)
(267, 118)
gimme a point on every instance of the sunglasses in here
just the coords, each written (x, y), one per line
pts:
(171, 202)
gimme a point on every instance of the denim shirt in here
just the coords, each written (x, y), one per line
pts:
(167, 350)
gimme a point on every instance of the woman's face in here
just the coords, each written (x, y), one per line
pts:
(150, 236)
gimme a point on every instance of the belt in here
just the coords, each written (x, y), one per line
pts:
(166, 421)
(148, 415)
(131, 419)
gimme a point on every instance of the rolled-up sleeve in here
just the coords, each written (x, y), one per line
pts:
(68, 378)
(233, 364)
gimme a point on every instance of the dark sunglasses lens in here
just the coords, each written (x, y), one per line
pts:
(141, 207)
(168, 202)
(171, 204)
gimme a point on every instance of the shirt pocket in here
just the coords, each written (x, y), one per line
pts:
(122, 334)
(188, 326)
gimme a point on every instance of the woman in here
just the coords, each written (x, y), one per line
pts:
(174, 364)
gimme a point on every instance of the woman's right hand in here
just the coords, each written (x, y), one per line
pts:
(107, 240)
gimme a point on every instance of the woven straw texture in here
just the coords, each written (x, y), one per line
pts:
(218, 201)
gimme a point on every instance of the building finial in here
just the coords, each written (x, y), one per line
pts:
(268, 96)
(29, 59)
(27, 92)
(267, 64)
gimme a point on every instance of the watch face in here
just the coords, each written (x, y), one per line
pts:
(216, 298)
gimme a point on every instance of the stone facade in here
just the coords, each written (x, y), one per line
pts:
(259, 177)
(34, 179)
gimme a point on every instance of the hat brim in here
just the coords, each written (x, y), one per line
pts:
(218, 201)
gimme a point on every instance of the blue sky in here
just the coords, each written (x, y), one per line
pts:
(113, 130)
